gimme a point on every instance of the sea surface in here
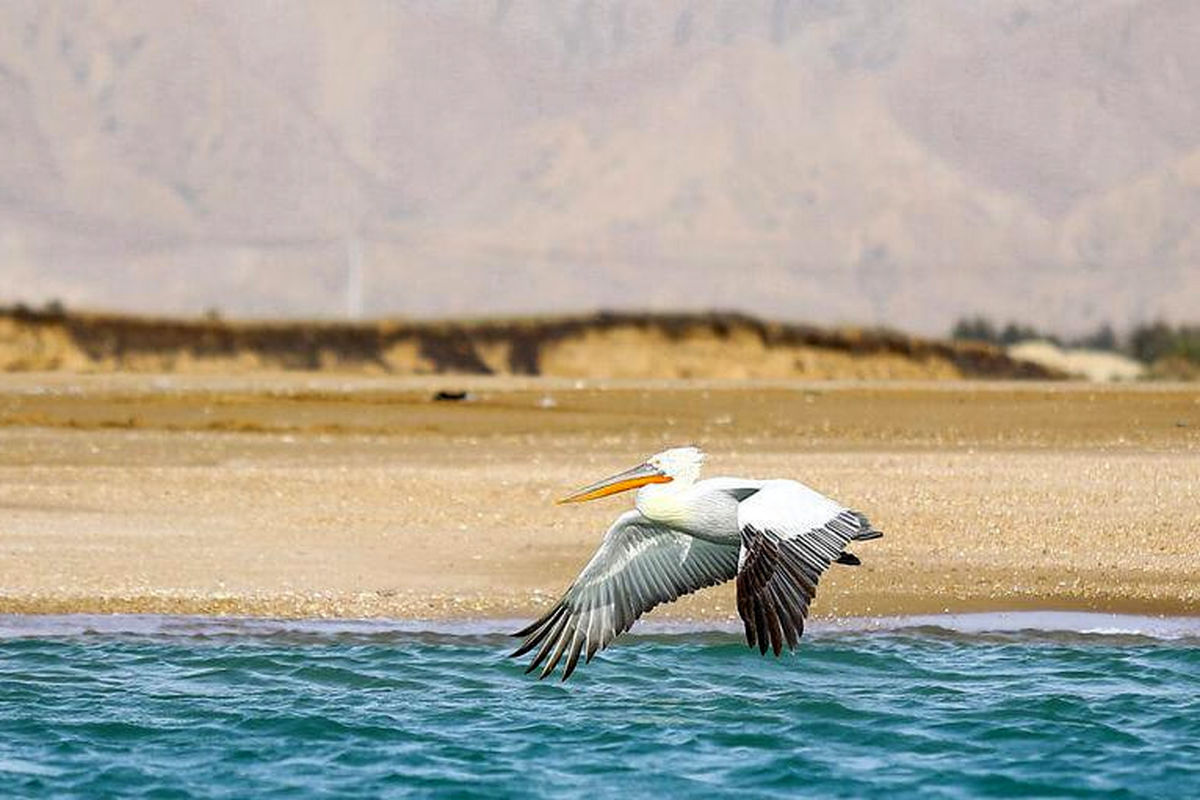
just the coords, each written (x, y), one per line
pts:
(973, 706)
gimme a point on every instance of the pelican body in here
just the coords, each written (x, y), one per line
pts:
(775, 537)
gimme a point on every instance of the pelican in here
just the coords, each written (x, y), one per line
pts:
(775, 537)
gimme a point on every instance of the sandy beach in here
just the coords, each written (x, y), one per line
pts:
(327, 496)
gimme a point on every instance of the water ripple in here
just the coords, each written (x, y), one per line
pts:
(180, 711)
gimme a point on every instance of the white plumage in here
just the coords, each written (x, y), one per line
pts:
(775, 537)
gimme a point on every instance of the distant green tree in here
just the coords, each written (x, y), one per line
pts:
(1103, 338)
(1148, 343)
(1189, 343)
(1014, 333)
(974, 329)
(1158, 340)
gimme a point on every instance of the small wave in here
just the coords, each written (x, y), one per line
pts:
(1034, 622)
(1026, 623)
(17, 766)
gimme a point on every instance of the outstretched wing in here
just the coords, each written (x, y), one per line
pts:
(790, 535)
(639, 564)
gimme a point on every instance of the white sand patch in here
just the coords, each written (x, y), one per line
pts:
(1095, 365)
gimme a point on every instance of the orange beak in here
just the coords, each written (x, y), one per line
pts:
(621, 482)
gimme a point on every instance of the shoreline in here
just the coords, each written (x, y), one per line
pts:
(1025, 623)
(714, 605)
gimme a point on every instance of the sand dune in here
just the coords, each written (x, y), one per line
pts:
(712, 345)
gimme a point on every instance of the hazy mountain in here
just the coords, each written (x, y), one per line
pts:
(898, 163)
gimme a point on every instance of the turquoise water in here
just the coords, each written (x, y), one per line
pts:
(155, 707)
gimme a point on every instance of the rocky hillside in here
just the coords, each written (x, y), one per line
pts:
(896, 164)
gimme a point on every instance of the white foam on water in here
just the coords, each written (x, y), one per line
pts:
(1082, 622)
(19, 766)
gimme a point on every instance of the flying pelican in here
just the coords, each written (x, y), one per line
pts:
(775, 536)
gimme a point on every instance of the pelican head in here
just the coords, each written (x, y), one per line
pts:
(679, 466)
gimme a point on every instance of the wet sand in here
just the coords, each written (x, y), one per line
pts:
(321, 496)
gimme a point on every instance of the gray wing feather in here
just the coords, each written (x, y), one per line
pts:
(639, 565)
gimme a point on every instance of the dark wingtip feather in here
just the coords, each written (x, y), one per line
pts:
(760, 627)
(537, 623)
(526, 646)
(528, 629)
(866, 533)
(523, 649)
(789, 630)
(548, 636)
(538, 630)
(774, 626)
(573, 659)
(559, 650)
(750, 641)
